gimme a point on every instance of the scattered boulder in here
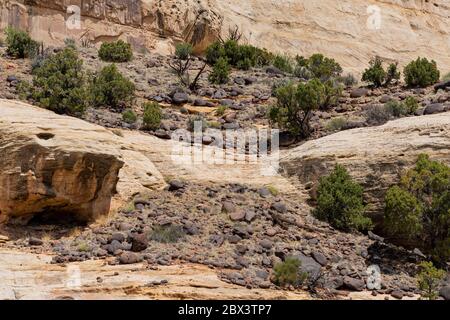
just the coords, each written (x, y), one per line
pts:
(354, 284)
(434, 108)
(442, 86)
(130, 258)
(445, 292)
(320, 258)
(180, 98)
(139, 242)
(175, 185)
(309, 265)
(237, 215)
(359, 92)
(280, 207)
(35, 242)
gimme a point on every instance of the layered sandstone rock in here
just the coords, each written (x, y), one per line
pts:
(350, 31)
(143, 23)
(375, 157)
(58, 164)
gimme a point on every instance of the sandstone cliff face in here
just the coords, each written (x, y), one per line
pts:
(375, 157)
(346, 30)
(58, 164)
(144, 23)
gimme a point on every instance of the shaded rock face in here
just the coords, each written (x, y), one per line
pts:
(375, 157)
(54, 164)
(36, 178)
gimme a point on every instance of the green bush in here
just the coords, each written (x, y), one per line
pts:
(19, 44)
(129, 116)
(418, 209)
(295, 105)
(59, 84)
(118, 51)
(284, 63)
(421, 73)
(183, 51)
(336, 124)
(375, 74)
(323, 68)
(152, 116)
(396, 108)
(340, 202)
(240, 56)
(214, 52)
(288, 273)
(70, 43)
(303, 72)
(221, 110)
(220, 72)
(167, 234)
(349, 80)
(332, 90)
(392, 73)
(411, 105)
(111, 89)
(429, 279)
(377, 114)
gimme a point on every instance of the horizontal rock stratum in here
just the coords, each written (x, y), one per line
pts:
(59, 164)
(351, 31)
(375, 157)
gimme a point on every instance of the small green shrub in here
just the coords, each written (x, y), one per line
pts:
(396, 108)
(375, 74)
(284, 63)
(377, 114)
(183, 51)
(221, 110)
(109, 88)
(19, 44)
(340, 202)
(70, 43)
(152, 116)
(240, 56)
(288, 273)
(295, 105)
(429, 279)
(59, 84)
(167, 234)
(392, 74)
(323, 67)
(421, 73)
(220, 72)
(214, 52)
(273, 190)
(349, 80)
(336, 124)
(411, 105)
(303, 73)
(331, 90)
(418, 209)
(129, 116)
(118, 51)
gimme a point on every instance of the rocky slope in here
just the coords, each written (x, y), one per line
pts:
(346, 30)
(228, 218)
(375, 157)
